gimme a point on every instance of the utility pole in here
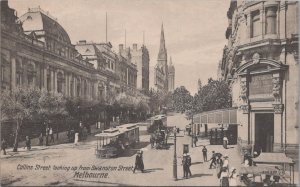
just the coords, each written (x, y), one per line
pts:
(175, 158)
(106, 27)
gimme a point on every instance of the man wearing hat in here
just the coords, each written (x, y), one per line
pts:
(226, 162)
(139, 164)
(189, 163)
(213, 159)
(184, 165)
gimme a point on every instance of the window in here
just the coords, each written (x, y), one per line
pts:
(271, 17)
(256, 24)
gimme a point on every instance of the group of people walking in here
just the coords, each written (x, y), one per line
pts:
(226, 175)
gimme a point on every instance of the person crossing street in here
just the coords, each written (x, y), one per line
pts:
(204, 152)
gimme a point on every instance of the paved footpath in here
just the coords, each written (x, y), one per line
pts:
(158, 164)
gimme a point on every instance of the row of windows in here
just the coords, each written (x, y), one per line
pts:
(270, 22)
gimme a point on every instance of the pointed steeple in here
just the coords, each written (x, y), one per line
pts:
(171, 61)
(162, 49)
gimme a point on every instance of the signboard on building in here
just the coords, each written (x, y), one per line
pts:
(260, 86)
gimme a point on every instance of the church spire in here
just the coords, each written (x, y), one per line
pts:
(162, 49)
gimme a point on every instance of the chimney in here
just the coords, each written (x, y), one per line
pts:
(82, 41)
(134, 46)
(120, 48)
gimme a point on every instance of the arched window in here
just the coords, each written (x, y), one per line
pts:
(60, 81)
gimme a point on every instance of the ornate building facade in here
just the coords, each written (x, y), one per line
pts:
(37, 51)
(140, 57)
(161, 70)
(260, 62)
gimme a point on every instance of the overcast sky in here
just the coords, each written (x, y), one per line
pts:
(194, 29)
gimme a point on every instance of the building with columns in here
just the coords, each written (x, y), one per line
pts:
(37, 51)
(260, 62)
(127, 70)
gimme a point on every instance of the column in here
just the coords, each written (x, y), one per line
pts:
(66, 84)
(282, 19)
(45, 77)
(51, 80)
(263, 21)
(13, 72)
(55, 81)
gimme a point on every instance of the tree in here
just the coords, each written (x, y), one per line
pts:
(20, 104)
(182, 99)
(214, 95)
(52, 106)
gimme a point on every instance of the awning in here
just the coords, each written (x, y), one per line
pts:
(273, 158)
(221, 116)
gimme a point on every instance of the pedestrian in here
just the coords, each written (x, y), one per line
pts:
(28, 143)
(226, 162)
(51, 135)
(213, 160)
(233, 177)
(76, 138)
(139, 164)
(152, 140)
(184, 166)
(189, 163)
(224, 177)
(195, 140)
(204, 152)
(225, 142)
(41, 139)
(3, 146)
(219, 164)
(47, 135)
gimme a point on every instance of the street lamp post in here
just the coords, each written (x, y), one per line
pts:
(175, 159)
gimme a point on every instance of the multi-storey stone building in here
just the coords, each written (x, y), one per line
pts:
(127, 70)
(260, 62)
(37, 51)
(140, 57)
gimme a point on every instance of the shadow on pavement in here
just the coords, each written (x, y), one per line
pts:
(6, 182)
(152, 170)
(201, 175)
(195, 163)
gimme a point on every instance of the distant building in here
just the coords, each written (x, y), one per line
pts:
(171, 76)
(161, 70)
(127, 70)
(140, 57)
(261, 65)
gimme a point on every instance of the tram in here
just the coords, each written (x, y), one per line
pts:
(114, 141)
(157, 122)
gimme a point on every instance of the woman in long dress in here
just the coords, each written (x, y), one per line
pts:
(76, 138)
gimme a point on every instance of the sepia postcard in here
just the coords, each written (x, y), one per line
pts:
(149, 93)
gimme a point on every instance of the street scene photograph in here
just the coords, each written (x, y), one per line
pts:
(149, 93)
